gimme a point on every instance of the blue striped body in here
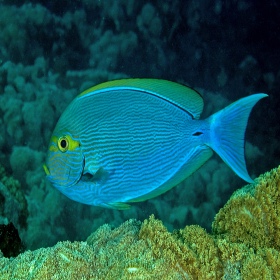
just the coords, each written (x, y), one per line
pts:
(125, 144)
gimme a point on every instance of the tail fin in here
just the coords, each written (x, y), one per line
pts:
(227, 133)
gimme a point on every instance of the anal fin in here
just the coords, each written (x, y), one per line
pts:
(117, 205)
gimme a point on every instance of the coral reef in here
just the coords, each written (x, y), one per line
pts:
(50, 51)
(251, 216)
(244, 244)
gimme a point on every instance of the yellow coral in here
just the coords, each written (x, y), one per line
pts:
(251, 216)
(191, 251)
(244, 245)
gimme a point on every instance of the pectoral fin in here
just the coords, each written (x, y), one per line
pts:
(98, 176)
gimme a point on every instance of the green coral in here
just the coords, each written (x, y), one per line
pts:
(244, 244)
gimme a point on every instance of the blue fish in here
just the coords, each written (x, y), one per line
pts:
(131, 140)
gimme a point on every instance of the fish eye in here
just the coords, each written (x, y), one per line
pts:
(63, 144)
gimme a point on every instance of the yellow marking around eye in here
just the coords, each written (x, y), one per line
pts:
(53, 140)
(72, 143)
(63, 144)
(55, 146)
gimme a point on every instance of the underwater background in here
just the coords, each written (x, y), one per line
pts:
(52, 50)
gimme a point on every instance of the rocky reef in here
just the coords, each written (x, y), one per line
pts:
(244, 244)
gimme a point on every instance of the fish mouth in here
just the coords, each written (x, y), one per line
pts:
(46, 169)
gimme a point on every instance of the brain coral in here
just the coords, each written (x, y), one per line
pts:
(244, 244)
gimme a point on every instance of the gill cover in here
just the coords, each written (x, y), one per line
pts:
(65, 161)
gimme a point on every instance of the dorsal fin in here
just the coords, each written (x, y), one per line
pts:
(182, 96)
